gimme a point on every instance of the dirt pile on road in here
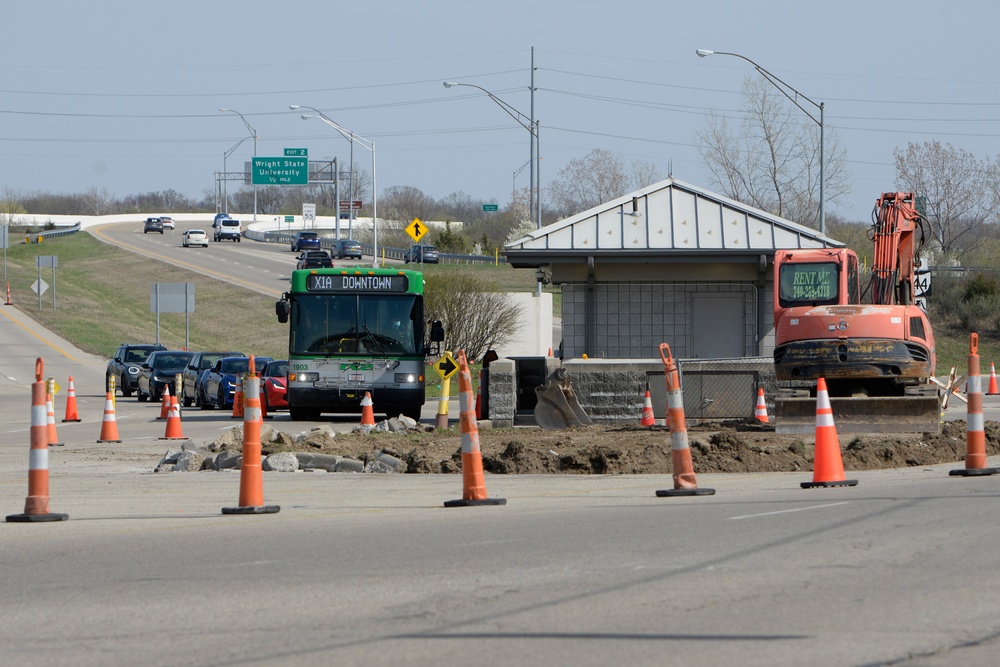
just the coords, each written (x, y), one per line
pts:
(728, 447)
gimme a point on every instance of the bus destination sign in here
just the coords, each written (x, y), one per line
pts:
(317, 282)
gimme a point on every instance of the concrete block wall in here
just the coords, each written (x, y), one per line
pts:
(502, 392)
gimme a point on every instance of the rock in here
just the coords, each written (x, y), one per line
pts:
(228, 459)
(384, 462)
(310, 461)
(350, 465)
(188, 461)
(317, 438)
(281, 462)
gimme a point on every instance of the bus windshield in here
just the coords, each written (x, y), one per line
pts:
(362, 324)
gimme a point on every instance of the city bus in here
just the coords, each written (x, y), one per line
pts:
(356, 330)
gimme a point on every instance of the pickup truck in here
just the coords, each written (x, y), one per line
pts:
(196, 367)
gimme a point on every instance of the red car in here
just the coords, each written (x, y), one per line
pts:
(274, 385)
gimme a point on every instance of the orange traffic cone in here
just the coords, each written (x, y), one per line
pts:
(685, 481)
(473, 482)
(828, 465)
(173, 431)
(71, 413)
(36, 505)
(975, 436)
(647, 418)
(760, 412)
(367, 412)
(9, 302)
(109, 426)
(993, 389)
(251, 477)
(165, 403)
(50, 416)
(238, 399)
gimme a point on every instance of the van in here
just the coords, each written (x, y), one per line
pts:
(227, 228)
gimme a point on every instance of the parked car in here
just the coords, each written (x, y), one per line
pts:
(274, 385)
(195, 237)
(427, 254)
(152, 225)
(348, 248)
(314, 259)
(227, 229)
(167, 222)
(305, 241)
(218, 385)
(124, 366)
(196, 368)
(159, 370)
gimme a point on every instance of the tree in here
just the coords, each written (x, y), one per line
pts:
(477, 315)
(772, 160)
(589, 181)
(960, 191)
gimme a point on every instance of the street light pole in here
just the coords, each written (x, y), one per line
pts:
(367, 144)
(225, 174)
(785, 88)
(253, 133)
(531, 125)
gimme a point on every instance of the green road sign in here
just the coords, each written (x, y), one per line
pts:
(491, 207)
(280, 171)
(296, 152)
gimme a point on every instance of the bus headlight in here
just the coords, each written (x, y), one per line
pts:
(303, 377)
(408, 378)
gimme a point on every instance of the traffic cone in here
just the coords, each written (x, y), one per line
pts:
(238, 399)
(9, 302)
(71, 413)
(473, 482)
(828, 466)
(50, 415)
(993, 388)
(975, 436)
(263, 404)
(165, 403)
(647, 418)
(174, 431)
(685, 481)
(251, 477)
(760, 412)
(36, 505)
(109, 426)
(367, 412)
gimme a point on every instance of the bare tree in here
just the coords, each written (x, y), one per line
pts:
(960, 191)
(477, 315)
(644, 174)
(586, 182)
(772, 160)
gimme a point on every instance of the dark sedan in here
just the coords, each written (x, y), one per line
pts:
(218, 385)
(160, 369)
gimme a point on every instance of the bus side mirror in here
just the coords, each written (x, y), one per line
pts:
(282, 309)
(437, 331)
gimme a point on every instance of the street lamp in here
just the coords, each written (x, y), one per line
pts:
(367, 144)
(531, 125)
(253, 134)
(785, 88)
(350, 219)
(225, 175)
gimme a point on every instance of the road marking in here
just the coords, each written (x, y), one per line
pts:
(52, 345)
(798, 509)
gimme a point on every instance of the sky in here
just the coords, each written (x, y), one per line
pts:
(124, 97)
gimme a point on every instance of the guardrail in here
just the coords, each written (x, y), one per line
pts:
(387, 252)
(39, 237)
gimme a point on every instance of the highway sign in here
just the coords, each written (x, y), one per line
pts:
(416, 230)
(279, 171)
(346, 203)
(39, 287)
(446, 366)
(296, 152)
(491, 207)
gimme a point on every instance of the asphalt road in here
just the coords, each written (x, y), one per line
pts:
(372, 569)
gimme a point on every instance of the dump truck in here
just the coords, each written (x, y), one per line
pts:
(874, 348)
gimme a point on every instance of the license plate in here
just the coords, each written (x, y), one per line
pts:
(357, 377)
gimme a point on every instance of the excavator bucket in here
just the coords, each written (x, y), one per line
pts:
(881, 414)
(557, 406)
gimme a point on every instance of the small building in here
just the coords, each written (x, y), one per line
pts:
(670, 263)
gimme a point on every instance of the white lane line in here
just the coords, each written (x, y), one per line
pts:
(798, 509)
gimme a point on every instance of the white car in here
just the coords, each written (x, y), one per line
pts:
(195, 237)
(167, 221)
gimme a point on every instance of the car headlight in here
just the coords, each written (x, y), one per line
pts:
(303, 377)
(133, 370)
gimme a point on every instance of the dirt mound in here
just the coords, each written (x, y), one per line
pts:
(622, 450)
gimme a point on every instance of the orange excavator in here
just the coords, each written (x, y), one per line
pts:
(874, 349)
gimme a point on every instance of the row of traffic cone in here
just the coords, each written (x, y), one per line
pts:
(647, 418)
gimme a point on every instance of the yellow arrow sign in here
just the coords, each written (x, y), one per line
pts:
(416, 229)
(446, 366)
